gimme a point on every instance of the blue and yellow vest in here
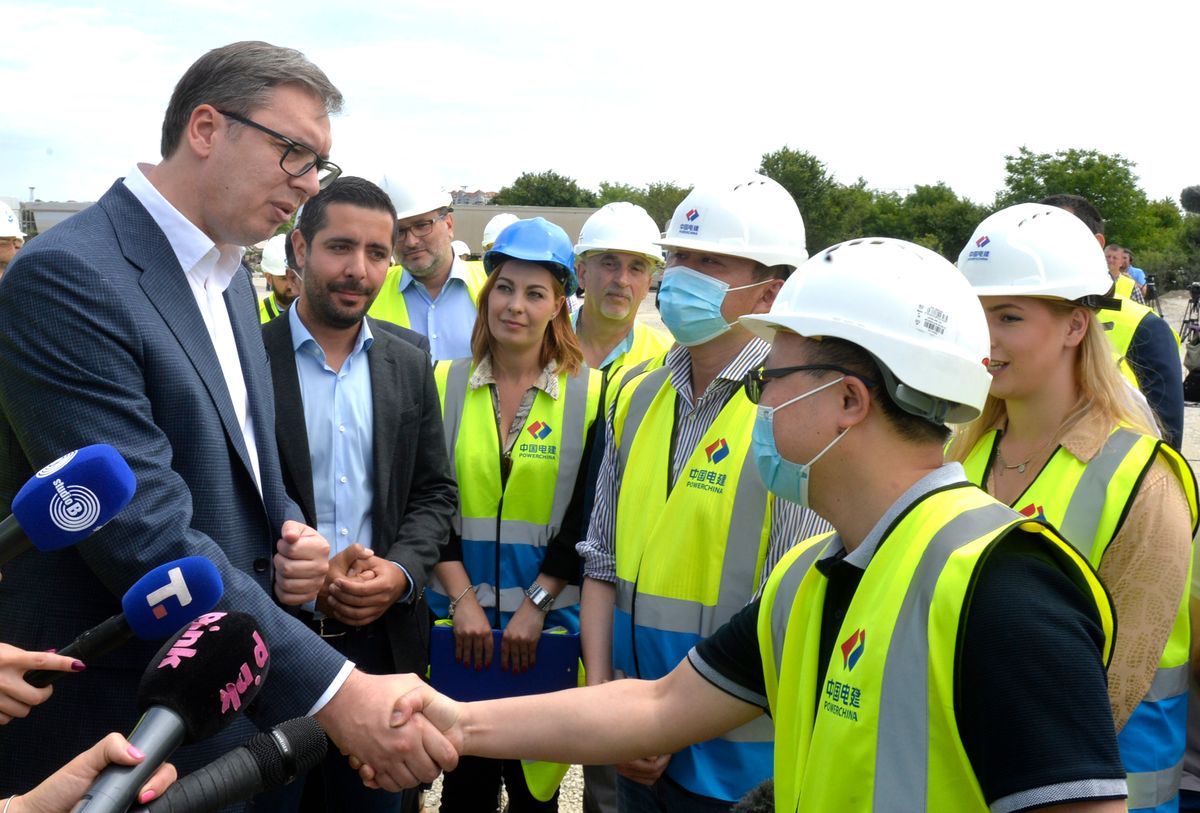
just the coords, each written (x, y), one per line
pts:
(1088, 502)
(883, 736)
(529, 511)
(391, 307)
(268, 309)
(687, 559)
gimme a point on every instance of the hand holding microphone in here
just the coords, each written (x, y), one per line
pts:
(194, 686)
(156, 606)
(67, 501)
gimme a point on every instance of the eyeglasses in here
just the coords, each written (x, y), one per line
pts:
(421, 228)
(755, 380)
(297, 160)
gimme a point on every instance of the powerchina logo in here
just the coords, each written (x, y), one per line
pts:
(710, 479)
(852, 649)
(718, 451)
(539, 430)
(978, 253)
(73, 508)
(842, 698)
(1034, 511)
(691, 227)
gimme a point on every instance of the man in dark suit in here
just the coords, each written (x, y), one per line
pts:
(130, 324)
(362, 450)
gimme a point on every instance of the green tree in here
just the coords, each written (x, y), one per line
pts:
(613, 192)
(939, 219)
(1189, 198)
(544, 189)
(1108, 181)
(804, 176)
(661, 200)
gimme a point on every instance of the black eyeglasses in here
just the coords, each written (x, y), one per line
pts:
(297, 160)
(421, 228)
(755, 380)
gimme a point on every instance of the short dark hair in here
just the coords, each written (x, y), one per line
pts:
(764, 272)
(1079, 206)
(239, 78)
(346, 189)
(289, 253)
(830, 350)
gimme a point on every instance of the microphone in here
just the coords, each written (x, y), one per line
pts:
(67, 501)
(194, 686)
(269, 760)
(157, 605)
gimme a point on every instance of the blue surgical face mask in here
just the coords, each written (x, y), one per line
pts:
(782, 477)
(690, 304)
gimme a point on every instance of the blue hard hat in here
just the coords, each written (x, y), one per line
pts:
(536, 240)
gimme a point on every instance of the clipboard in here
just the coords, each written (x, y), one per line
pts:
(557, 668)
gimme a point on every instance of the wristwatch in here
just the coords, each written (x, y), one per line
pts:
(540, 596)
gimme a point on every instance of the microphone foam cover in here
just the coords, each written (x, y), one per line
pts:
(208, 672)
(291, 749)
(172, 595)
(74, 496)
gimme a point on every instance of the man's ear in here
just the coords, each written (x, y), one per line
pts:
(766, 296)
(300, 248)
(855, 403)
(202, 129)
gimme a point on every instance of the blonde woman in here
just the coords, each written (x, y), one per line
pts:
(1064, 437)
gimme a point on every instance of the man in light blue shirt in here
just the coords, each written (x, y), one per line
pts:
(430, 291)
(362, 451)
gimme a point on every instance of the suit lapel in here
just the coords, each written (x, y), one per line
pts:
(291, 430)
(165, 285)
(385, 392)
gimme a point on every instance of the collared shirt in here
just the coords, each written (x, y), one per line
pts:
(622, 347)
(547, 382)
(789, 522)
(209, 269)
(446, 321)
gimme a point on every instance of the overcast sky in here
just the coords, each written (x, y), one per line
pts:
(473, 93)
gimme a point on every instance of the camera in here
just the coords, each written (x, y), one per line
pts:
(1194, 290)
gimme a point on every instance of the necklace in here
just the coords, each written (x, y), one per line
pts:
(1024, 464)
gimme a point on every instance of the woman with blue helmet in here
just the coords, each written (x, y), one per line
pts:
(518, 416)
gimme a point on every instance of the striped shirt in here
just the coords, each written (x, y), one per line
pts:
(789, 522)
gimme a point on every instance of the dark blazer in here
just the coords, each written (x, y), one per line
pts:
(415, 496)
(101, 341)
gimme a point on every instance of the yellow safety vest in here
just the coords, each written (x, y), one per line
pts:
(1088, 503)
(268, 308)
(391, 307)
(883, 736)
(688, 560)
(527, 512)
(1120, 327)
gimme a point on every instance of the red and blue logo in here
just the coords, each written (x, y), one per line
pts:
(1034, 511)
(718, 451)
(983, 241)
(539, 429)
(852, 648)
(692, 215)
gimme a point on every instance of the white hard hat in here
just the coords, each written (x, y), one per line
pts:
(274, 256)
(416, 199)
(755, 219)
(10, 225)
(1032, 249)
(459, 247)
(906, 306)
(620, 226)
(496, 225)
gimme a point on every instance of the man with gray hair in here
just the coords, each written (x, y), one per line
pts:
(131, 324)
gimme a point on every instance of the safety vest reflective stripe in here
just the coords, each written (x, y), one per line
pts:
(639, 403)
(511, 598)
(1155, 789)
(457, 376)
(1081, 522)
(884, 737)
